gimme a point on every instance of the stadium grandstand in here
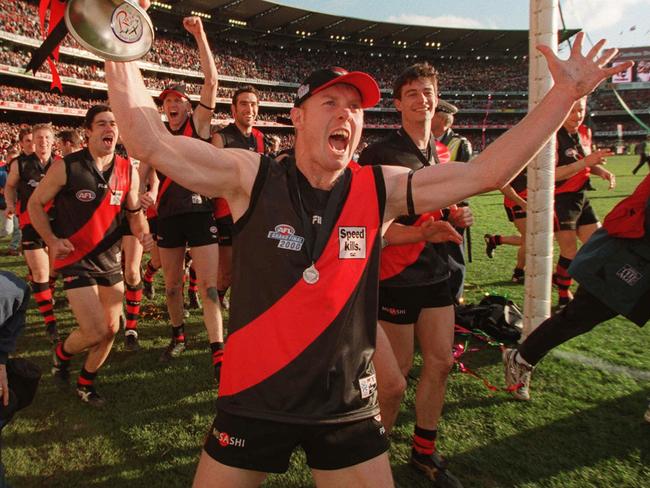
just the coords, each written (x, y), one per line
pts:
(483, 72)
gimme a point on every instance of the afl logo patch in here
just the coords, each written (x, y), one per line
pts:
(286, 237)
(85, 195)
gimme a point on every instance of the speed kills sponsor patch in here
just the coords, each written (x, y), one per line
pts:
(286, 237)
(367, 385)
(352, 242)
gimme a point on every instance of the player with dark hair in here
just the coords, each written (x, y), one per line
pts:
(92, 190)
(241, 134)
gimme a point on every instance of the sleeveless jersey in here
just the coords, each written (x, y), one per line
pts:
(571, 148)
(90, 214)
(174, 199)
(317, 339)
(233, 138)
(520, 185)
(421, 263)
(30, 174)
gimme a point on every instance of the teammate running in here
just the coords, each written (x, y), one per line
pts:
(91, 190)
(25, 175)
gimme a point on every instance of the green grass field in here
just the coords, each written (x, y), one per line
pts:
(583, 427)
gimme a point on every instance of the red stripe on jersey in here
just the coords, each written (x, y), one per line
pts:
(395, 259)
(578, 180)
(627, 219)
(163, 188)
(92, 232)
(259, 140)
(221, 208)
(243, 365)
(23, 215)
(443, 152)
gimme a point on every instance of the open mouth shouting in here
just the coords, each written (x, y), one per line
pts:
(108, 141)
(339, 140)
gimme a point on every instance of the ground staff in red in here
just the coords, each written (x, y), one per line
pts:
(328, 117)
(92, 190)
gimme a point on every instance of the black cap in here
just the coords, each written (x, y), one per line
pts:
(324, 78)
(176, 89)
(446, 107)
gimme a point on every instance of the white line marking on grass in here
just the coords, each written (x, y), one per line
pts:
(638, 374)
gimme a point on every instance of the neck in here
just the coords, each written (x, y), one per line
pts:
(438, 132)
(43, 158)
(246, 130)
(316, 175)
(419, 132)
(102, 161)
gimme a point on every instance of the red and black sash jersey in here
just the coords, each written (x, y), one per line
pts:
(174, 199)
(519, 185)
(627, 220)
(233, 138)
(90, 213)
(420, 263)
(30, 174)
(299, 352)
(571, 148)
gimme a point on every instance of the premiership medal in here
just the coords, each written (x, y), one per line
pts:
(311, 275)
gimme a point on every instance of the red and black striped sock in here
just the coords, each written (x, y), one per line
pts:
(62, 355)
(86, 378)
(217, 352)
(496, 238)
(43, 297)
(178, 332)
(150, 272)
(133, 296)
(194, 284)
(562, 279)
(424, 440)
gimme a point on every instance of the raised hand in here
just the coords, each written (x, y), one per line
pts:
(580, 75)
(439, 231)
(193, 25)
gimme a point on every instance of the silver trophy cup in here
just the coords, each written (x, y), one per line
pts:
(117, 30)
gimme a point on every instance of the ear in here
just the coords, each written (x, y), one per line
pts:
(398, 104)
(297, 116)
(232, 111)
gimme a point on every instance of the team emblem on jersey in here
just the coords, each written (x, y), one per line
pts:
(286, 237)
(85, 195)
(33, 183)
(352, 242)
(572, 152)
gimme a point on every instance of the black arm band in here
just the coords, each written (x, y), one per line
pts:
(135, 210)
(445, 213)
(206, 107)
(409, 194)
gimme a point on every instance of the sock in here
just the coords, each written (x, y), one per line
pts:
(562, 278)
(497, 239)
(424, 441)
(194, 286)
(52, 284)
(43, 297)
(150, 272)
(86, 378)
(178, 332)
(62, 355)
(217, 352)
(518, 272)
(133, 296)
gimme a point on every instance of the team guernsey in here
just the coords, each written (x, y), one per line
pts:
(282, 362)
(90, 214)
(421, 263)
(174, 199)
(233, 138)
(30, 173)
(571, 148)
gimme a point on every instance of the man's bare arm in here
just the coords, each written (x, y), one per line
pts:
(194, 164)
(202, 114)
(11, 187)
(441, 185)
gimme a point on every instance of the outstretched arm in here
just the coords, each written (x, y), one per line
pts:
(203, 112)
(441, 185)
(194, 164)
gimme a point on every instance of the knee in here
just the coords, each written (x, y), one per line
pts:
(393, 388)
(132, 276)
(438, 364)
(173, 291)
